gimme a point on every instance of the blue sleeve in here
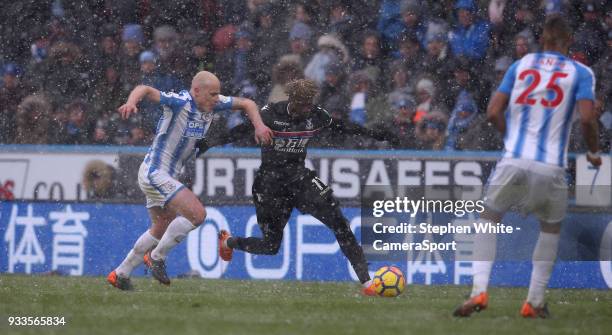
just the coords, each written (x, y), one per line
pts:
(172, 100)
(507, 83)
(586, 84)
(225, 103)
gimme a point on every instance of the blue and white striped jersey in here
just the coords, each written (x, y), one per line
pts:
(178, 129)
(543, 89)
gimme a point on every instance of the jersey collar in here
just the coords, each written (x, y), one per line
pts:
(556, 53)
(195, 108)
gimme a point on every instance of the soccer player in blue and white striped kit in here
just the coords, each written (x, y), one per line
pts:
(174, 209)
(534, 108)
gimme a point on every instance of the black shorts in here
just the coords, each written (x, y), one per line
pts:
(275, 198)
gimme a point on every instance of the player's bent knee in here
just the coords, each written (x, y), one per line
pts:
(199, 216)
(272, 248)
(271, 251)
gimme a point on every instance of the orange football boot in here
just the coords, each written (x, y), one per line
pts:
(157, 267)
(225, 252)
(528, 311)
(124, 284)
(473, 304)
(369, 288)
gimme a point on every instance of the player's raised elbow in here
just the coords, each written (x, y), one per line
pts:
(244, 104)
(144, 88)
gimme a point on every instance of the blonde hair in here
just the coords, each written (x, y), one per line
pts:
(302, 90)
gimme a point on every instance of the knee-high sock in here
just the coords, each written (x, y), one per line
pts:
(544, 256)
(354, 253)
(269, 245)
(348, 242)
(484, 256)
(176, 232)
(145, 242)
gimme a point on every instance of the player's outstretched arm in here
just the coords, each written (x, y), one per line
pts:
(590, 129)
(263, 134)
(351, 128)
(138, 93)
(241, 131)
(496, 109)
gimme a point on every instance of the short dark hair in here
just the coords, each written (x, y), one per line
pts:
(302, 90)
(556, 32)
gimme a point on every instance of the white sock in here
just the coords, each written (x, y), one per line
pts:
(544, 256)
(484, 256)
(176, 232)
(144, 243)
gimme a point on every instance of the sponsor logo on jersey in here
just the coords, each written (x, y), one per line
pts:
(194, 129)
(291, 145)
(281, 123)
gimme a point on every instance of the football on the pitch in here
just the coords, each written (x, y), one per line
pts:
(389, 281)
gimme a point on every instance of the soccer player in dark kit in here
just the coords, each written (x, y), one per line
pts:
(283, 182)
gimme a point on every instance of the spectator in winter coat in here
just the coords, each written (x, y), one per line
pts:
(331, 51)
(32, 121)
(430, 131)
(470, 37)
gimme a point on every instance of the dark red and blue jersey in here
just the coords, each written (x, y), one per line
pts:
(290, 136)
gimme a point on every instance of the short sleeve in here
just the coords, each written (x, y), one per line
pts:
(225, 103)
(267, 115)
(586, 83)
(173, 100)
(324, 117)
(507, 83)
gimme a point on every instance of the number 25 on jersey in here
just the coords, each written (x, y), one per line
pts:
(536, 78)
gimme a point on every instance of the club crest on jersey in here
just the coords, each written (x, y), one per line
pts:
(195, 129)
(206, 117)
(309, 125)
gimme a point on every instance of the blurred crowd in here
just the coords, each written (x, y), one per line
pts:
(421, 69)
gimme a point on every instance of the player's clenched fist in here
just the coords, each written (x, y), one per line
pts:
(263, 135)
(594, 158)
(127, 110)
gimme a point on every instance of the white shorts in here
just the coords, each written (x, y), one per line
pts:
(158, 186)
(529, 186)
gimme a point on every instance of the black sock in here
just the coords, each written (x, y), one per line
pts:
(232, 243)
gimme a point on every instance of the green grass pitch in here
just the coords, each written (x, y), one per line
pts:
(194, 306)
